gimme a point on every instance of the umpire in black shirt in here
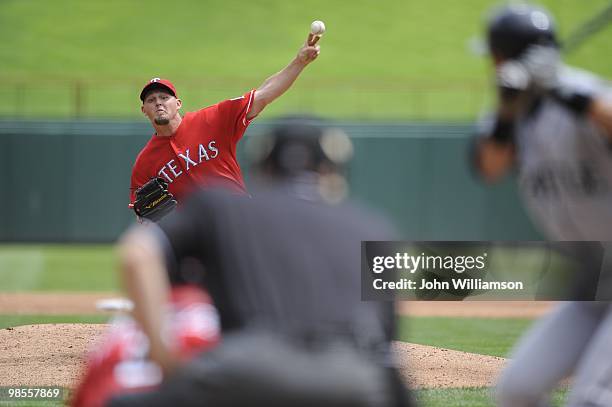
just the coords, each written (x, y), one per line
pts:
(283, 269)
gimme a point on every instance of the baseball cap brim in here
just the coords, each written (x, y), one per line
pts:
(158, 84)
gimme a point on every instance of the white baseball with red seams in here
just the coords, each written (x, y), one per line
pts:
(317, 27)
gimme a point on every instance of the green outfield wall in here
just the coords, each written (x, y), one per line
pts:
(68, 181)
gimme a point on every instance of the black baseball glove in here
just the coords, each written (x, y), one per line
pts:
(153, 201)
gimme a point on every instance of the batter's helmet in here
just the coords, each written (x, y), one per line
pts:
(512, 29)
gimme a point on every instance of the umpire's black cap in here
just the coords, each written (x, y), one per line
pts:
(297, 144)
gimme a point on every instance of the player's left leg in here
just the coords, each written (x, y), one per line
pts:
(547, 353)
(592, 385)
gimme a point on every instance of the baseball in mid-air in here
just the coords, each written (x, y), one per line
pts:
(317, 27)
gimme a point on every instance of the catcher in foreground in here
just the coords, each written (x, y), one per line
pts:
(153, 201)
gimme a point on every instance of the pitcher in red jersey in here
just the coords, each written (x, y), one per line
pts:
(199, 148)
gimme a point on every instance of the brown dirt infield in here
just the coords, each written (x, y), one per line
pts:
(52, 354)
(51, 303)
(476, 309)
(84, 303)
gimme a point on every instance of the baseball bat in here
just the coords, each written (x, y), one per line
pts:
(577, 37)
(587, 29)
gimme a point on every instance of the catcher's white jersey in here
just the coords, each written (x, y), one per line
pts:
(565, 167)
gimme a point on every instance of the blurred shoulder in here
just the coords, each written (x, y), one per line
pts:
(376, 224)
(583, 80)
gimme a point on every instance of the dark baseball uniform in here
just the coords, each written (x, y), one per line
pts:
(285, 276)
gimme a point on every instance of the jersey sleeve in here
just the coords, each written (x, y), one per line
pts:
(484, 125)
(233, 115)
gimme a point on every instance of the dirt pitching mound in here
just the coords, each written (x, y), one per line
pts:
(45, 354)
(53, 354)
(430, 367)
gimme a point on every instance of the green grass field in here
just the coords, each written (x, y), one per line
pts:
(485, 336)
(7, 321)
(472, 397)
(389, 59)
(58, 268)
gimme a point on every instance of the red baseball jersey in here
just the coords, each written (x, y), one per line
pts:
(201, 153)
